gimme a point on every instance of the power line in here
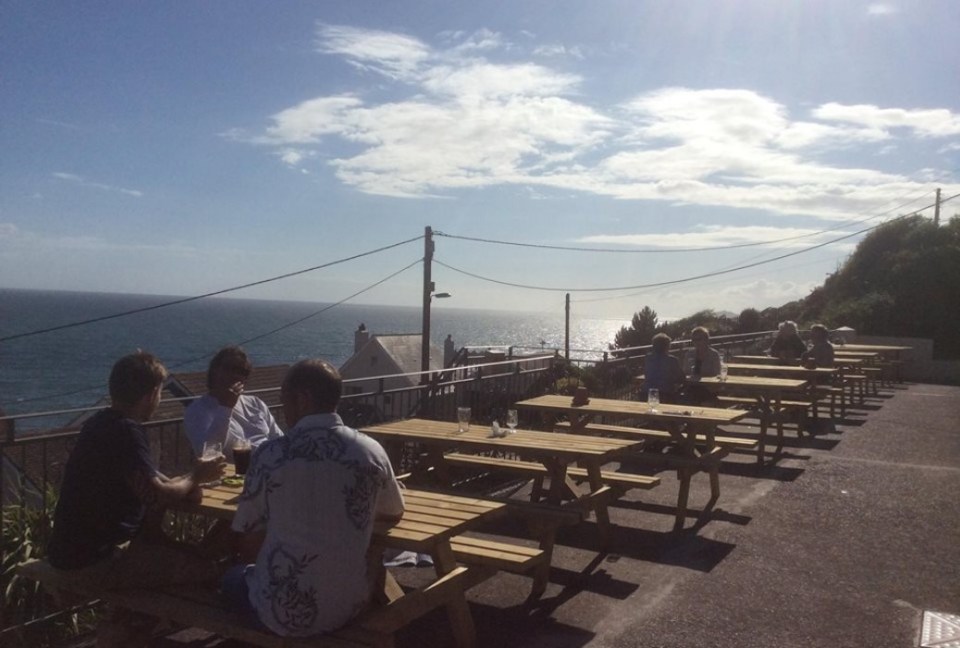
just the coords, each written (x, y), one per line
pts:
(311, 315)
(210, 294)
(657, 284)
(685, 279)
(247, 341)
(570, 248)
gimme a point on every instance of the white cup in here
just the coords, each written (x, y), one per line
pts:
(653, 399)
(463, 419)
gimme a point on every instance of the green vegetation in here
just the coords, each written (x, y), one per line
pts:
(903, 280)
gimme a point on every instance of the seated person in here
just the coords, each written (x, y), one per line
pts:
(820, 353)
(225, 414)
(100, 537)
(704, 362)
(662, 371)
(787, 345)
(306, 513)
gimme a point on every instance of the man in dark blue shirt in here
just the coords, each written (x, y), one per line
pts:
(110, 482)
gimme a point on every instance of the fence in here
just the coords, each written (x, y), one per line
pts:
(31, 465)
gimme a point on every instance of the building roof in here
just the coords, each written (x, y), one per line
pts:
(403, 349)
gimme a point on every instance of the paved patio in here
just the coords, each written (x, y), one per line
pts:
(844, 543)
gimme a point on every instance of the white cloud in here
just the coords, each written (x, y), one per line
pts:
(559, 51)
(703, 236)
(459, 120)
(394, 55)
(79, 180)
(8, 231)
(881, 9)
(926, 123)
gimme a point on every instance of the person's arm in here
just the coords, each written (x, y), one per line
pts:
(273, 430)
(153, 488)
(390, 505)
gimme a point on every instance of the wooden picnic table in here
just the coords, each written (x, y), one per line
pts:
(555, 452)
(429, 524)
(768, 395)
(843, 352)
(687, 426)
(783, 371)
(840, 361)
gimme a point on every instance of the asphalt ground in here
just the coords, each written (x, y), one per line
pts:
(845, 541)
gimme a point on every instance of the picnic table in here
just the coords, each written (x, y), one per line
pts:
(890, 354)
(691, 429)
(554, 455)
(432, 524)
(769, 400)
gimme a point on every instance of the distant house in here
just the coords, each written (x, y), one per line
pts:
(392, 355)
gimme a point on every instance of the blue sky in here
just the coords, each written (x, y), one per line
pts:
(185, 147)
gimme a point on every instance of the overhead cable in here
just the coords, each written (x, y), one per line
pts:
(672, 282)
(205, 295)
(247, 341)
(736, 246)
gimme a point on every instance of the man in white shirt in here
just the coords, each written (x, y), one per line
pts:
(306, 513)
(226, 415)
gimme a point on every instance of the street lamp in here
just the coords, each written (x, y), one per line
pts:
(428, 296)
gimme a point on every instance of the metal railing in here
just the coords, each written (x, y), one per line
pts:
(31, 464)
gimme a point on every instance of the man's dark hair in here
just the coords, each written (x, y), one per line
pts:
(319, 379)
(134, 376)
(819, 329)
(231, 357)
(661, 342)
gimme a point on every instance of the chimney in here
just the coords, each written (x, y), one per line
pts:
(360, 337)
(449, 351)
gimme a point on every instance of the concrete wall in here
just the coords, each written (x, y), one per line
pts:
(918, 362)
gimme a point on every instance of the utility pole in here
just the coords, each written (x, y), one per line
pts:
(566, 336)
(427, 296)
(936, 210)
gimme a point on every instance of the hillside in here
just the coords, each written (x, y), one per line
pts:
(903, 279)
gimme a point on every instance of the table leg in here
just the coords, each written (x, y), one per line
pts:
(458, 612)
(599, 506)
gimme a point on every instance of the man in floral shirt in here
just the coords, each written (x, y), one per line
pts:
(306, 513)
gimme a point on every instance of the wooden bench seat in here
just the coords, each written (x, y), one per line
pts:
(203, 608)
(502, 556)
(623, 481)
(730, 443)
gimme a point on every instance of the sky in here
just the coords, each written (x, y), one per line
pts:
(181, 148)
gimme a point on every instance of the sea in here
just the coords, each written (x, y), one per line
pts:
(68, 368)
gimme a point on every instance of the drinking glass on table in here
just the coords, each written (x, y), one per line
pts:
(212, 451)
(512, 419)
(463, 419)
(723, 371)
(241, 456)
(653, 399)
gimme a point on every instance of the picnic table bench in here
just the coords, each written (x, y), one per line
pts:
(204, 608)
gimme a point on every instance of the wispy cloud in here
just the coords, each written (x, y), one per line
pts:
(465, 121)
(716, 236)
(881, 9)
(79, 180)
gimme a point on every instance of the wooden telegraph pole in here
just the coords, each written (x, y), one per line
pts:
(427, 295)
(936, 210)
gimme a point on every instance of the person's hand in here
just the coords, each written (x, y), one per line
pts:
(228, 396)
(209, 470)
(195, 496)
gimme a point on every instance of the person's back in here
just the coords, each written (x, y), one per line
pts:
(787, 345)
(662, 371)
(821, 351)
(319, 485)
(308, 506)
(96, 478)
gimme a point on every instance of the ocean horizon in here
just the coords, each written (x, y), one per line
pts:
(68, 368)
